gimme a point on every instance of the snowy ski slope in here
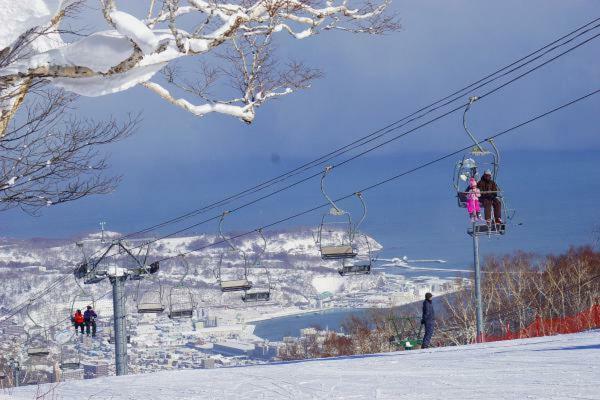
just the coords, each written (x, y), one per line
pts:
(556, 367)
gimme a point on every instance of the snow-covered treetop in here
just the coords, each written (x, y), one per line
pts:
(133, 48)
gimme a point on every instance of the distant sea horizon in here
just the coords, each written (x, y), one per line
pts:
(555, 196)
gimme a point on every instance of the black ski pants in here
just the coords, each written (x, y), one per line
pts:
(76, 325)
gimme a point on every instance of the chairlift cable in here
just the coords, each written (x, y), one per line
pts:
(366, 151)
(20, 307)
(284, 188)
(397, 176)
(395, 128)
(549, 47)
(231, 285)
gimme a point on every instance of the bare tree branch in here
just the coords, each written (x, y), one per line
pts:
(48, 156)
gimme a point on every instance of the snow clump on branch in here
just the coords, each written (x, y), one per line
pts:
(135, 48)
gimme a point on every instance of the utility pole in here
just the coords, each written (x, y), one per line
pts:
(478, 303)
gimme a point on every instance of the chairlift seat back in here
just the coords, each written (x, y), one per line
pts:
(356, 269)
(337, 252)
(150, 308)
(256, 297)
(181, 313)
(93, 280)
(38, 351)
(235, 285)
(69, 365)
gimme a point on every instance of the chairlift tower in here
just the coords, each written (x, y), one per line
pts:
(478, 302)
(91, 272)
(117, 277)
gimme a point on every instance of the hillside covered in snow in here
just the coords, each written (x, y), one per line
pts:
(556, 367)
(296, 272)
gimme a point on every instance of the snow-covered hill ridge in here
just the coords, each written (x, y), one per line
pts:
(556, 367)
(297, 274)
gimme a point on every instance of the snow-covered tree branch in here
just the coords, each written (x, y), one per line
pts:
(49, 157)
(134, 48)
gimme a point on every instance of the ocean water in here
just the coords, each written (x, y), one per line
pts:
(275, 329)
(555, 196)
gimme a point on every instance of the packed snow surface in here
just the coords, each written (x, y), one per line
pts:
(556, 367)
(328, 283)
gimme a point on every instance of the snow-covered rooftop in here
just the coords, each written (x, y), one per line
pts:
(556, 367)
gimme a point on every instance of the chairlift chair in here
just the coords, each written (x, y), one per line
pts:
(361, 265)
(38, 344)
(69, 359)
(235, 285)
(181, 300)
(356, 268)
(261, 293)
(480, 158)
(38, 351)
(331, 245)
(149, 301)
(330, 248)
(232, 285)
(256, 297)
(181, 303)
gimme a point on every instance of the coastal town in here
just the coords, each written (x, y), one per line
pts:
(221, 331)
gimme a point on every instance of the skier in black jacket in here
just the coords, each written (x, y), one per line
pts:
(428, 320)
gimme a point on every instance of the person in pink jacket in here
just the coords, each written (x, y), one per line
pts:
(473, 194)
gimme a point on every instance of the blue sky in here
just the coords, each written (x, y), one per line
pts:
(177, 161)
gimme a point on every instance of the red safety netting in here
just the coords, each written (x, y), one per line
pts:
(585, 320)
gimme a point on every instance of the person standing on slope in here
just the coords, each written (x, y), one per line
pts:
(90, 321)
(428, 320)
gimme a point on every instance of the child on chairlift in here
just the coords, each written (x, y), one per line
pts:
(473, 194)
